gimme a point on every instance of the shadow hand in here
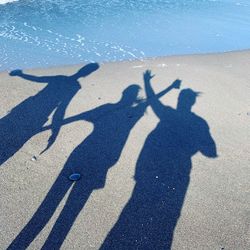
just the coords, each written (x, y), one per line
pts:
(176, 84)
(147, 75)
(16, 72)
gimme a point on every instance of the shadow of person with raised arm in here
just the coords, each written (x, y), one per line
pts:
(92, 159)
(162, 175)
(27, 118)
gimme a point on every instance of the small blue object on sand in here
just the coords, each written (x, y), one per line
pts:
(75, 177)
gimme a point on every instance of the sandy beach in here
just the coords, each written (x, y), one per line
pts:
(148, 177)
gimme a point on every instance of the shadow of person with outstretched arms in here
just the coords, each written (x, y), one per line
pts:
(27, 118)
(92, 159)
(162, 175)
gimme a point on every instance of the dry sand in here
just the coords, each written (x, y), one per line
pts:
(215, 213)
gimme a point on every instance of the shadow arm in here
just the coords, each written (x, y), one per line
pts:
(208, 146)
(57, 122)
(40, 79)
(66, 121)
(89, 115)
(152, 98)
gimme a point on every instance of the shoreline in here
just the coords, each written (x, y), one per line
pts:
(137, 60)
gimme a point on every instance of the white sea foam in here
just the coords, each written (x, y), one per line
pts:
(54, 32)
(7, 1)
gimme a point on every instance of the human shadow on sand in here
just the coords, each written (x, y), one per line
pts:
(162, 175)
(92, 159)
(27, 118)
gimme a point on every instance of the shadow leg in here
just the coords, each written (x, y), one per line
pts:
(76, 200)
(43, 213)
(147, 221)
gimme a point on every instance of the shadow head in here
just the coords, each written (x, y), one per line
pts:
(86, 70)
(187, 99)
(130, 94)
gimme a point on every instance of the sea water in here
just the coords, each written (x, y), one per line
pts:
(42, 33)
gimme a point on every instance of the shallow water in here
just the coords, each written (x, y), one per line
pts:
(39, 33)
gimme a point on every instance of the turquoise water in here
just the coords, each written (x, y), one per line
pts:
(41, 33)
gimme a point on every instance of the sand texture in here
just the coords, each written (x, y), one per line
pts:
(161, 167)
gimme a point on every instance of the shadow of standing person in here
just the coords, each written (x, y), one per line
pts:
(27, 118)
(92, 159)
(162, 175)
